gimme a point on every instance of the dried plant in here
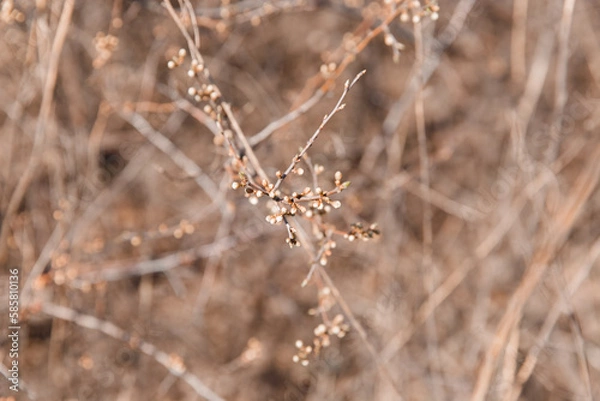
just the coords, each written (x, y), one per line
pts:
(299, 199)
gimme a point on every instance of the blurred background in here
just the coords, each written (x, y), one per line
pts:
(482, 285)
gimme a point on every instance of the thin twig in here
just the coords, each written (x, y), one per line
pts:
(196, 55)
(165, 145)
(210, 272)
(518, 41)
(173, 363)
(560, 79)
(322, 272)
(429, 279)
(40, 130)
(194, 21)
(382, 366)
(286, 119)
(557, 233)
(526, 369)
(445, 39)
(481, 252)
(124, 269)
(338, 106)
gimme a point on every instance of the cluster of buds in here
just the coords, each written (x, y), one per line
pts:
(414, 11)
(213, 111)
(391, 41)
(9, 14)
(184, 227)
(204, 93)
(321, 203)
(105, 45)
(327, 69)
(357, 231)
(253, 351)
(322, 339)
(291, 206)
(250, 192)
(327, 249)
(177, 59)
(292, 239)
(326, 302)
(337, 180)
(240, 12)
(196, 67)
(304, 351)
(307, 203)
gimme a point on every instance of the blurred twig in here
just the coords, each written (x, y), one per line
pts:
(560, 227)
(429, 273)
(173, 363)
(430, 64)
(286, 119)
(176, 155)
(41, 124)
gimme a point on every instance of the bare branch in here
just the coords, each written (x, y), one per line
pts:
(338, 106)
(173, 363)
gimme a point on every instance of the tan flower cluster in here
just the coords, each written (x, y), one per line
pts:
(9, 14)
(415, 10)
(357, 231)
(204, 94)
(323, 333)
(177, 60)
(105, 46)
(308, 202)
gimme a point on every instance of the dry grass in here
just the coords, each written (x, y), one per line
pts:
(471, 141)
